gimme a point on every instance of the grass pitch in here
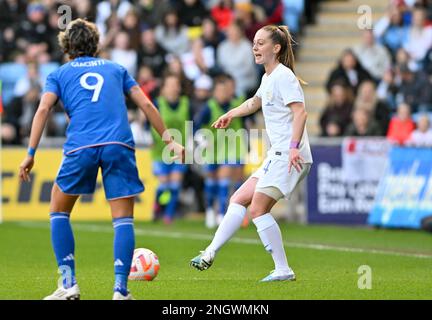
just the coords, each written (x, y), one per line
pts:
(326, 260)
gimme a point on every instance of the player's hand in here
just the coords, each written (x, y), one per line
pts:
(295, 160)
(223, 122)
(25, 168)
(178, 150)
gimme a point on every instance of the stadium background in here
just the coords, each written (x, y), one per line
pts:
(359, 81)
(351, 150)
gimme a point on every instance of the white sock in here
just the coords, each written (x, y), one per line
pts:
(271, 237)
(230, 224)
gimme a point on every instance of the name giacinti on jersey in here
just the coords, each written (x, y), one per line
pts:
(94, 63)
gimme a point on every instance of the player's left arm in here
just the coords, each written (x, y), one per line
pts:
(299, 122)
(48, 101)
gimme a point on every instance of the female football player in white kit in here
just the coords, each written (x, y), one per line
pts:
(288, 161)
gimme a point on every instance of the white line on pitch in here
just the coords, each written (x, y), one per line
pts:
(198, 236)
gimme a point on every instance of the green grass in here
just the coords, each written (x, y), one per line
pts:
(28, 269)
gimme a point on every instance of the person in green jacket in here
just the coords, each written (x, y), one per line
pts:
(174, 109)
(224, 162)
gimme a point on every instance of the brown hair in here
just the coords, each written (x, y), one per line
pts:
(281, 35)
(81, 38)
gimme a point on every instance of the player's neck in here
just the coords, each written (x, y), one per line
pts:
(269, 67)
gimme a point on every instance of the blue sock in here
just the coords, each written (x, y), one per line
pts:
(223, 193)
(171, 208)
(124, 245)
(210, 189)
(64, 247)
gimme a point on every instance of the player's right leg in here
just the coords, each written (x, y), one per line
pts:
(210, 191)
(121, 184)
(63, 244)
(231, 222)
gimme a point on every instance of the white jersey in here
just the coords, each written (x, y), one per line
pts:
(276, 91)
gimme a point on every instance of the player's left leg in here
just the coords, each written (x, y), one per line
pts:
(270, 233)
(63, 244)
(124, 244)
(238, 178)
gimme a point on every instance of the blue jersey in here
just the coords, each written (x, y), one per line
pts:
(93, 94)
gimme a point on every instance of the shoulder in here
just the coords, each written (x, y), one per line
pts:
(285, 74)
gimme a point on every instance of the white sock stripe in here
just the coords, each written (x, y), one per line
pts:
(264, 222)
(123, 224)
(59, 217)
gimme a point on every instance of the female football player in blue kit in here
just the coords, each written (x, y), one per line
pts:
(93, 92)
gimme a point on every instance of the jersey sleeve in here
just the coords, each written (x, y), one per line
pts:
(290, 89)
(52, 84)
(128, 82)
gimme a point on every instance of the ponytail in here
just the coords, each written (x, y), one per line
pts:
(281, 35)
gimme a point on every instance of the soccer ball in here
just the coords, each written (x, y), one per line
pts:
(145, 265)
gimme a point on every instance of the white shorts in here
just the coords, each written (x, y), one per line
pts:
(274, 173)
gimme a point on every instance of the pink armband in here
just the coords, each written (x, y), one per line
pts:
(294, 144)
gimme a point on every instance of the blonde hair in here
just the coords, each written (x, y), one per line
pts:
(81, 38)
(281, 35)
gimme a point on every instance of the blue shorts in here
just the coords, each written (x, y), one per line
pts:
(78, 172)
(162, 169)
(214, 167)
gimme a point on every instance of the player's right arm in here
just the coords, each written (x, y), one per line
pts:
(152, 114)
(48, 100)
(248, 107)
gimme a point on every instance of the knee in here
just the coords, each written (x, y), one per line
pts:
(255, 211)
(240, 199)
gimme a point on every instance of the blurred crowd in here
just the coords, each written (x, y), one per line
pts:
(195, 39)
(383, 85)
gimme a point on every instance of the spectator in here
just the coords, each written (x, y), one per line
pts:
(30, 80)
(372, 56)
(84, 10)
(211, 36)
(198, 61)
(273, 10)
(333, 128)
(108, 8)
(202, 92)
(391, 31)
(138, 127)
(379, 111)
(175, 67)
(172, 35)
(151, 12)
(339, 108)
(422, 136)
(362, 125)
(419, 37)
(11, 11)
(192, 12)
(147, 82)
(401, 126)
(223, 13)
(349, 71)
(415, 89)
(387, 89)
(130, 25)
(235, 58)
(250, 18)
(9, 135)
(151, 53)
(123, 54)
(34, 29)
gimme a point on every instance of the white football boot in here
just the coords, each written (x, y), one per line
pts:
(61, 293)
(204, 260)
(118, 296)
